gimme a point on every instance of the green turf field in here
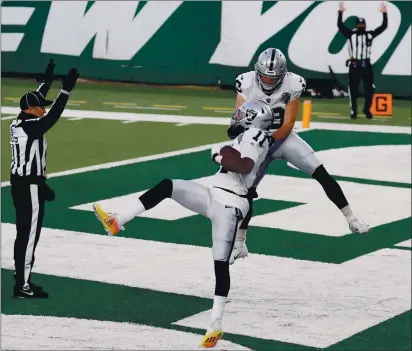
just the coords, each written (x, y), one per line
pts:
(187, 101)
(308, 284)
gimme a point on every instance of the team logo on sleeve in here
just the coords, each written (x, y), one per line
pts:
(285, 98)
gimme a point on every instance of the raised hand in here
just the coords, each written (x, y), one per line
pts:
(69, 81)
(49, 72)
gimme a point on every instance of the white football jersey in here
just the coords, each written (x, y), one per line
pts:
(253, 144)
(290, 89)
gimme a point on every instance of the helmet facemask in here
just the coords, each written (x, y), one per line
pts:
(268, 83)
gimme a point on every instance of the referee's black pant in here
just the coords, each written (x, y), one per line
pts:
(29, 203)
(361, 70)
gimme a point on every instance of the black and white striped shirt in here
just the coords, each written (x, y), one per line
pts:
(360, 42)
(28, 152)
(28, 142)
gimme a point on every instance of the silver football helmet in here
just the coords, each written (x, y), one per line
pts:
(270, 69)
(253, 113)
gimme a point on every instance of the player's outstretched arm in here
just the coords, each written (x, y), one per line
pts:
(239, 101)
(291, 113)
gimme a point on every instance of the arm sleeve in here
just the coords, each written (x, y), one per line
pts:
(42, 125)
(43, 89)
(345, 31)
(242, 87)
(298, 88)
(382, 27)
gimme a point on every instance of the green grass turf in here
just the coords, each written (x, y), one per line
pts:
(92, 96)
(86, 142)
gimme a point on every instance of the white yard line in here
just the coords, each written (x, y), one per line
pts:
(223, 121)
(8, 117)
(148, 108)
(129, 161)
(333, 117)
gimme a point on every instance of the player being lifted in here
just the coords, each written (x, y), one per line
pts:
(272, 83)
(224, 202)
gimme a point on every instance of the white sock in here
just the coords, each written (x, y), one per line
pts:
(219, 303)
(135, 208)
(347, 212)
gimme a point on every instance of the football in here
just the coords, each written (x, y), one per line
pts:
(228, 151)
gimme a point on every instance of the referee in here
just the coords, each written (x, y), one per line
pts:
(28, 174)
(360, 46)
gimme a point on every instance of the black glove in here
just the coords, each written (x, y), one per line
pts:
(69, 81)
(234, 132)
(252, 193)
(48, 193)
(48, 74)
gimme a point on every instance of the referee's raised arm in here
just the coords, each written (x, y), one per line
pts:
(47, 80)
(342, 28)
(45, 123)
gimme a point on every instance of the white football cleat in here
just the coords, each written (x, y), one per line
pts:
(239, 251)
(358, 226)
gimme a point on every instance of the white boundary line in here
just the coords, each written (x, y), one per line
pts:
(223, 121)
(129, 161)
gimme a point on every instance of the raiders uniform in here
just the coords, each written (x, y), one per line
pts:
(225, 202)
(293, 149)
(253, 144)
(291, 88)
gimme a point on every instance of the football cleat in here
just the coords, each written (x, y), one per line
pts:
(211, 338)
(110, 223)
(358, 226)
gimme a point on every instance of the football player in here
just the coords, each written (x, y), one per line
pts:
(225, 202)
(272, 83)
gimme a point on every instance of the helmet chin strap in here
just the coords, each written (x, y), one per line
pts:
(271, 89)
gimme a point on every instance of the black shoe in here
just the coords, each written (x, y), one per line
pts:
(29, 294)
(35, 287)
(368, 114)
(353, 116)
